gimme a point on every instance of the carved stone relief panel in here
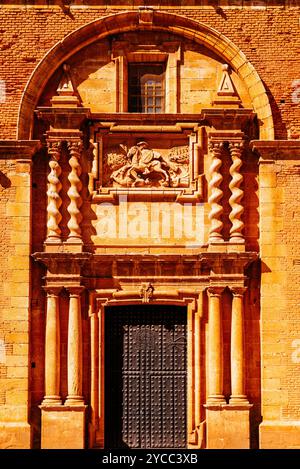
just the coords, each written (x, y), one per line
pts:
(142, 166)
(156, 163)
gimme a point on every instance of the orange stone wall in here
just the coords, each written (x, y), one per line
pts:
(15, 219)
(280, 327)
(269, 36)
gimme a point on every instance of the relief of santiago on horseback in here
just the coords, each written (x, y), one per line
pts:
(147, 167)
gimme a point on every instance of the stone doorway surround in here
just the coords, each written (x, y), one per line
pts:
(201, 293)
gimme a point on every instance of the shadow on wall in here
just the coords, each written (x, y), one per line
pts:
(253, 350)
(280, 129)
(5, 182)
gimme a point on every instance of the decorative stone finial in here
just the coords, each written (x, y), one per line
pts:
(66, 91)
(227, 95)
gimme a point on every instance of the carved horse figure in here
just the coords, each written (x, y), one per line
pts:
(145, 162)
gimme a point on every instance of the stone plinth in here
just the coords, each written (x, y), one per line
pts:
(67, 422)
(228, 426)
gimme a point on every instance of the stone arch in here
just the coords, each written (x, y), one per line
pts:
(128, 21)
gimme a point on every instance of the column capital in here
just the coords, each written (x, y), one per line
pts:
(75, 144)
(54, 143)
(215, 291)
(236, 144)
(238, 291)
(215, 145)
(52, 290)
(75, 291)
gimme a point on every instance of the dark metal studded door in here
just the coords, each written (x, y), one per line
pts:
(145, 378)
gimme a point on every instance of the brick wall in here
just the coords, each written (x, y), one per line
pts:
(269, 37)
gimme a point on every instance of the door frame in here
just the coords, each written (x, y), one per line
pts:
(193, 301)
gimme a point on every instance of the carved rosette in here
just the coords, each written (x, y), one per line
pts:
(75, 149)
(54, 187)
(216, 194)
(237, 208)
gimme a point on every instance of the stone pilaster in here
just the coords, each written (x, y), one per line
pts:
(238, 395)
(215, 351)
(52, 349)
(74, 396)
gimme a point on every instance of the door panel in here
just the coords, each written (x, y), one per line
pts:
(145, 391)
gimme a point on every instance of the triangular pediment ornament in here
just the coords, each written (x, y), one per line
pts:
(67, 96)
(227, 96)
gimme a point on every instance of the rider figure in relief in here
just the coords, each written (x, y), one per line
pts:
(146, 167)
(143, 162)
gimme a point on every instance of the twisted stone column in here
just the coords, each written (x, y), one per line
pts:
(237, 208)
(75, 348)
(238, 395)
(216, 194)
(54, 187)
(75, 149)
(52, 348)
(215, 351)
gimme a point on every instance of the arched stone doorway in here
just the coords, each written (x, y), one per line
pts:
(90, 262)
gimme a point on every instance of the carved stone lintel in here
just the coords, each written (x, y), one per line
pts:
(146, 292)
(216, 194)
(237, 208)
(75, 149)
(54, 187)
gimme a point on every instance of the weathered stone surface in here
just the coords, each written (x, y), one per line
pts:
(220, 219)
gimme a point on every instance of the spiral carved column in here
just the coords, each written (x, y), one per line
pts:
(54, 187)
(237, 209)
(216, 194)
(75, 149)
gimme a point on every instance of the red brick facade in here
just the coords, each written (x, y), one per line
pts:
(44, 272)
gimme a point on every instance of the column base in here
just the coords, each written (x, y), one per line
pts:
(52, 401)
(238, 400)
(73, 240)
(63, 427)
(74, 401)
(237, 239)
(216, 399)
(228, 426)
